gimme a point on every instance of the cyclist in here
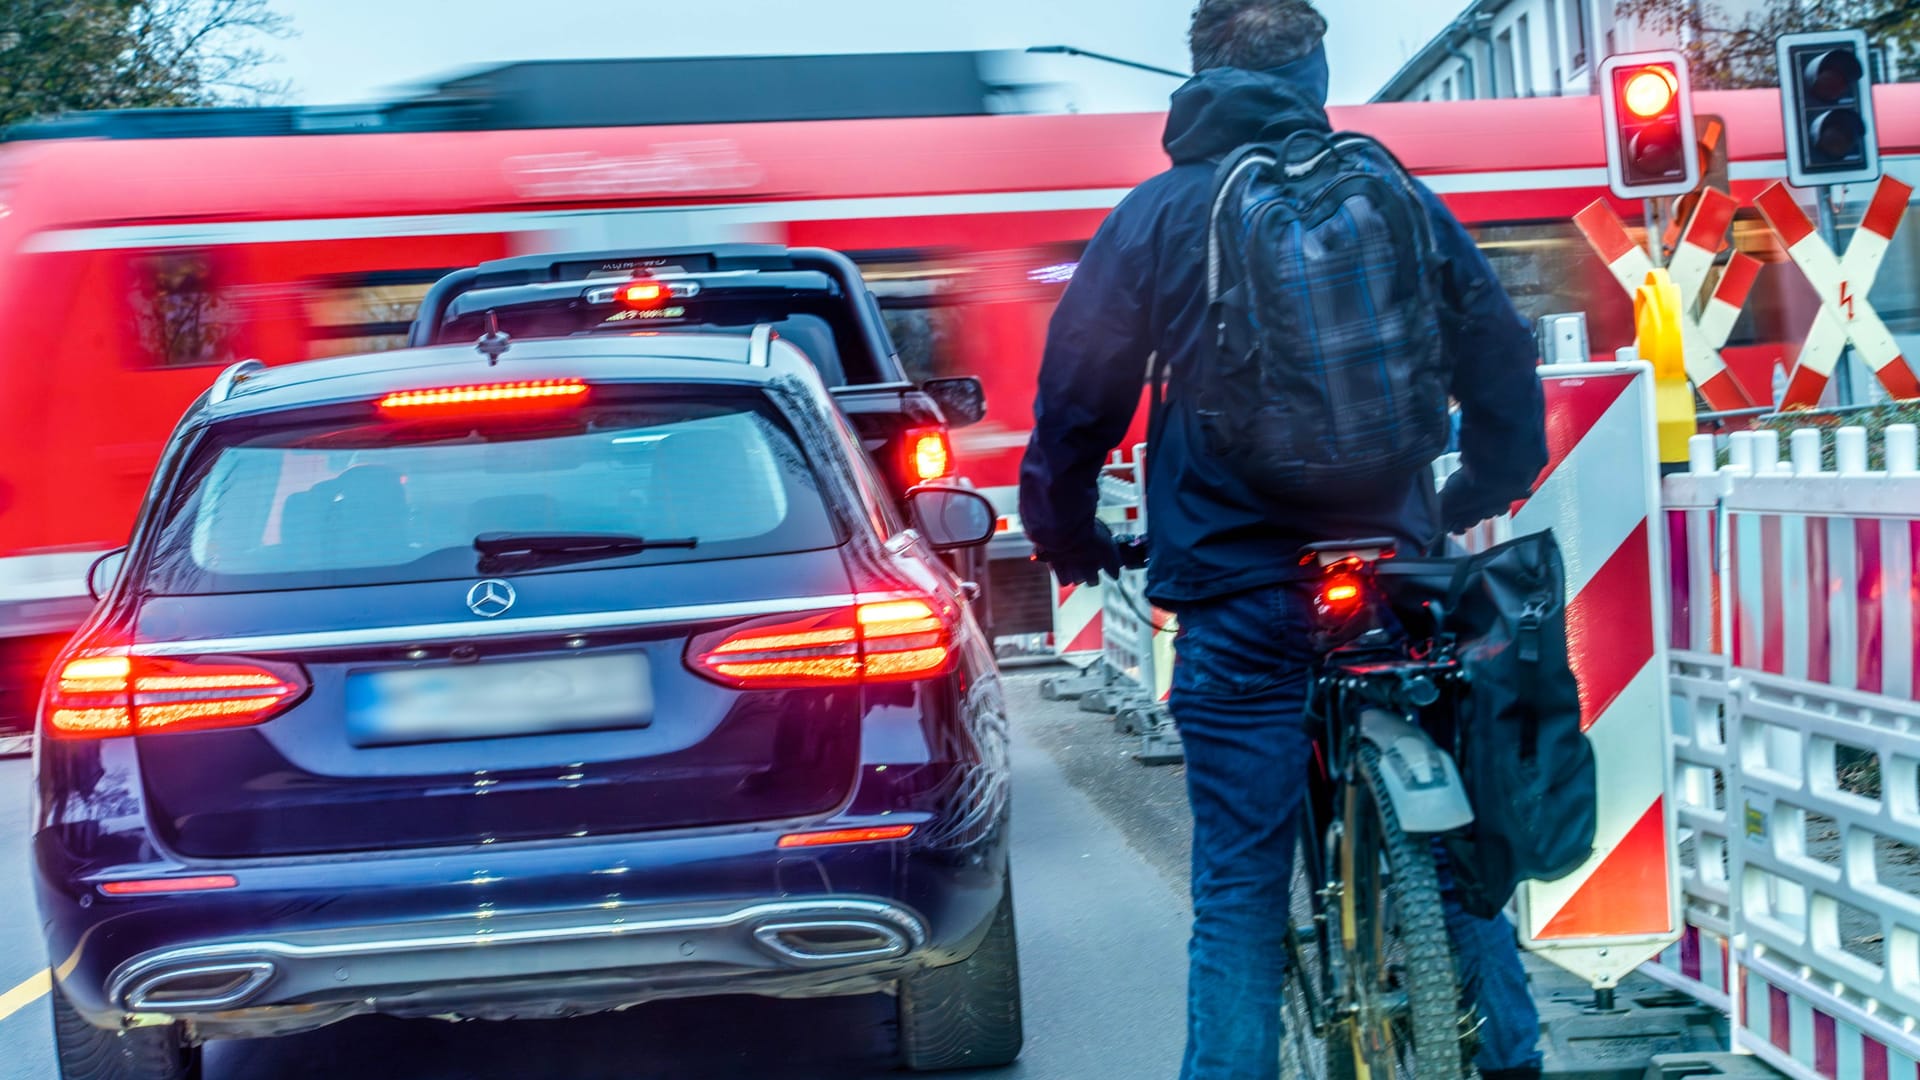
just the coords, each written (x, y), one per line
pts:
(1223, 558)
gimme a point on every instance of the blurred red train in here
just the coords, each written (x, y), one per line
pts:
(139, 253)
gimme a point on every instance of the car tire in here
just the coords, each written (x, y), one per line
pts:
(966, 1015)
(86, 1052)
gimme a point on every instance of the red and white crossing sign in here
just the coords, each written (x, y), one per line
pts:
(1843, 283)
(1705, 334)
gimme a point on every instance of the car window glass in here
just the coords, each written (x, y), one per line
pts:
(376, 503)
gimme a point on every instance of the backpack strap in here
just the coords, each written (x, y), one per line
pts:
(1225, 180)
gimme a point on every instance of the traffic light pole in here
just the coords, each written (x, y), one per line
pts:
(1656, 218)
(1830, 232)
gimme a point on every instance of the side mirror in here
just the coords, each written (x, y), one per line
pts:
(104, 572)
(961, 399)
(951, 517)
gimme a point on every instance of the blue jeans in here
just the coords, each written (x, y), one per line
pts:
(1239, 694)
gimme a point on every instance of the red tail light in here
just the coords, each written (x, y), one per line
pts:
(876, 641)
(826, 837)
(104, 694)
(644, 294)
(929, 455)
(1340, 595)
(532, 393)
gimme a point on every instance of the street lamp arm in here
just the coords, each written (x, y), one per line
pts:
(1069, 50)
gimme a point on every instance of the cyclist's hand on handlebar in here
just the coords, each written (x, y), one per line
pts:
(1133, 552)
(1082, 563)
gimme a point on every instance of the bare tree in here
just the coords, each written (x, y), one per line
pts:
(1729, 53)
(63, 55)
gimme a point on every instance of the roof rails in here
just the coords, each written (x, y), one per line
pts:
(760, 346)
(224, 385)
(583, 266)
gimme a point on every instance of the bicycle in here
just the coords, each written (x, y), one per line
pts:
(1372, 986)
(1373, 989)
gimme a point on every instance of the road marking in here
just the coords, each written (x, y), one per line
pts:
(25, 994)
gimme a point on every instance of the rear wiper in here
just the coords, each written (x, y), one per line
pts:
(499, 549)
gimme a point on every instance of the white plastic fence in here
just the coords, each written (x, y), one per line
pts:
(1137, 639)
(1796, 748)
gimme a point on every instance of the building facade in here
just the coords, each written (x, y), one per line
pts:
(1524, 48)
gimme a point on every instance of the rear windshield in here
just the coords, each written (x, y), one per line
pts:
(375, 502)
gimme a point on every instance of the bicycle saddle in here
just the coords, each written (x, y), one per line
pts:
(1328, 552)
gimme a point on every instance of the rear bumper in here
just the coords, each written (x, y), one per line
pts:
(514, 931)
(550, 963)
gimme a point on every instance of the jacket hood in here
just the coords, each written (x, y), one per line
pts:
(1222, 108)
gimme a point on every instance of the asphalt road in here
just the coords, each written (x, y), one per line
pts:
(1099, 877)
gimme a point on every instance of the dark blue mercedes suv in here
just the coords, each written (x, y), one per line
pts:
(524, 680)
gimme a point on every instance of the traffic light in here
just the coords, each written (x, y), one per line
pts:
(1650, 136)
(1826, 94)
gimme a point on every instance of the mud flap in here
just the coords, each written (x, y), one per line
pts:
(1421, 779)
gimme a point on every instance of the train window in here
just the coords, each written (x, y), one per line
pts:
(185, 311)
(1547, 268)
(1781, 305)
(1008, 293)
(368, 312)
(918, 298)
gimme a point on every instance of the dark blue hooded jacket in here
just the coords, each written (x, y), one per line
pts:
(1141, 289)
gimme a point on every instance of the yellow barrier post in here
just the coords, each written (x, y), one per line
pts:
(1658, 327)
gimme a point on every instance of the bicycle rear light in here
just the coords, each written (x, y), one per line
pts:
(1340, 595)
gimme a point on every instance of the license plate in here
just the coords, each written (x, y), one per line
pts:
(486, 701)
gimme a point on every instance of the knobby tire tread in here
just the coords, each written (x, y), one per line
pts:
(1433, 989)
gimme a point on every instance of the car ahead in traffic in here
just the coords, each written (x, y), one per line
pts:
(524, 680)
(814, 298)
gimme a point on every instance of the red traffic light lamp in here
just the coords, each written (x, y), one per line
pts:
(1648, 107)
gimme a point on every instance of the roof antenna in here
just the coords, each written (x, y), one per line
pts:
(493, 343)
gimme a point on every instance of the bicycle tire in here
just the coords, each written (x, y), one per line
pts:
(1423, 1038)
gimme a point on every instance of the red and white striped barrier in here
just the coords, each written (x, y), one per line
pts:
(1077, 622)
(1705, 336)
(1797, 748)
(1599, 496)
(1843, 284)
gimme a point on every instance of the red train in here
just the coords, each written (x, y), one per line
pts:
(140, 254)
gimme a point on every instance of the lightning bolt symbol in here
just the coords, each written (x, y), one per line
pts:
(1846, 299)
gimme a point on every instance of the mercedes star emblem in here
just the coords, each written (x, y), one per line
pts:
(489, 598)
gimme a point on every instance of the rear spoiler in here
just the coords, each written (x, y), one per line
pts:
(584, 265)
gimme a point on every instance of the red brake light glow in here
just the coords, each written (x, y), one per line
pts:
(929, 456)
(846, 836)
(106, 694)
(149, 886)
(536, 392)
(1649, 91)
(877, 641)
(644, 294)
(1340, 595)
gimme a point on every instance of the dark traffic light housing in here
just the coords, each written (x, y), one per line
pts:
(1826, 97)
(1651, 145)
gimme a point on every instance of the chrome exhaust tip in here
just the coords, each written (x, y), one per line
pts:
(825, 942)
(199, 988)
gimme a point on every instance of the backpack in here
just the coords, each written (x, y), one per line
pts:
(1328, 384)
(1526, 763)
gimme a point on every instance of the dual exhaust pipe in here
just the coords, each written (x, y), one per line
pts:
(191, 981)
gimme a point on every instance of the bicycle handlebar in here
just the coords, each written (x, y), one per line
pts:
(1133, 551)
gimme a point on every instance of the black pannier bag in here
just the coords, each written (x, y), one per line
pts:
(1528, 767)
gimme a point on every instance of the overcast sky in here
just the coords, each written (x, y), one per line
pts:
(354, 50)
